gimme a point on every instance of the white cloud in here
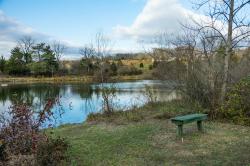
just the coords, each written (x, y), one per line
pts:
(12, 30)
(157, 16)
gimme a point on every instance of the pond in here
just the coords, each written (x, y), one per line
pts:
(77, 101)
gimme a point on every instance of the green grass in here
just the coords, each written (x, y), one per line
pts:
(153, 141)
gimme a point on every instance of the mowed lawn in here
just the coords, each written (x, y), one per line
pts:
(153, 141)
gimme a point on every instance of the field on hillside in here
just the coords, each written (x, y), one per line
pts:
(136, 62)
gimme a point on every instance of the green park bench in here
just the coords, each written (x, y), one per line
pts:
(181, 120)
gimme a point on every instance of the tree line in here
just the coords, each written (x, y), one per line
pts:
(29, 58)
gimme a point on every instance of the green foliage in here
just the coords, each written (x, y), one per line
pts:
(150, 67)
(16, 65)
(141, 65)
(50, 60)
(38, 68)
(53, 152)
(113, 68)
(2, 64)
(38, 51)
(21, 63)
(237, 105)
(87, 65)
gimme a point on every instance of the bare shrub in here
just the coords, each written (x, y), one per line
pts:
(150, 95)
(127, 70)
(108, 96)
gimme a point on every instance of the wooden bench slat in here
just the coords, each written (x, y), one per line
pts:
(180, 120)
(189, 118)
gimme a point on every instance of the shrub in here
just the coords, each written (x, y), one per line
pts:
(52, 152)
(150, 95)
(113, 68)
(108, 99)
(38, 68)
(126, 70)
(155, 64)
(20, 134)
(20, 129)
(237, 105)
(141, 65)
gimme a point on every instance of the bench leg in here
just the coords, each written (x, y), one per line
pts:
(180, 130)
(199, 126)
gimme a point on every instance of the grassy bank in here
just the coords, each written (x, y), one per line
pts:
(45, 79)
(145, 136)
(67, 79)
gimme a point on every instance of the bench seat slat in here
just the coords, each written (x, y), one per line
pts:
(189, 118)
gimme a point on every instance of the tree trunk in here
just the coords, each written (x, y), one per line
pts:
(228, 52)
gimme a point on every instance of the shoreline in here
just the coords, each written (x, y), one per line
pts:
(66, 79)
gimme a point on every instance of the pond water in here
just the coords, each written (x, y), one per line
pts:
(77, 101)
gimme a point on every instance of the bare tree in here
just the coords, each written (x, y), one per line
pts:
(103, 49)
(88, 51)
(26, 43)
(229, 21)
(58, 49)
(194, 65)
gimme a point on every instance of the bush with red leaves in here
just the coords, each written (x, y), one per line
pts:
(20, 130)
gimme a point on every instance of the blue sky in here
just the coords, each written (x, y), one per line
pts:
(77, 21)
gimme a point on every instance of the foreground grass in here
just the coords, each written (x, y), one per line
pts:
(151, 140)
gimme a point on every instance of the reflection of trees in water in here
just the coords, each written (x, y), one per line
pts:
(4, 95)
(16, 94)
(33, 95)
(36, 95)
(85, 91)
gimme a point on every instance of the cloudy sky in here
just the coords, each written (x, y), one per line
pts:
(75, 22)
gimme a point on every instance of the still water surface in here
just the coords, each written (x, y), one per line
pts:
(77, 101)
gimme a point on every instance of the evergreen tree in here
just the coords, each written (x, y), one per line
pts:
(16, 64)
(2, 64)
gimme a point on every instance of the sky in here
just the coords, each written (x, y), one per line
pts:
(75, 22)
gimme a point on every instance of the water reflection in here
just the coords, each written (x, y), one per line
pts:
(78, 100)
